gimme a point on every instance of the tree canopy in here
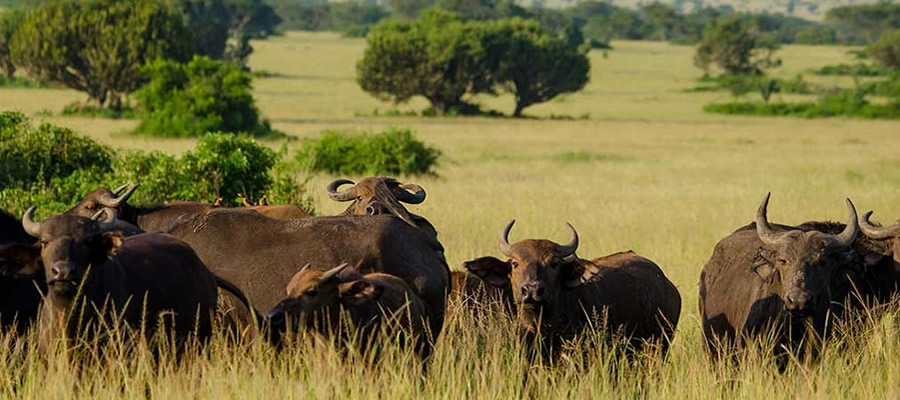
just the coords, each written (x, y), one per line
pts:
(734, 46)
(98, 46)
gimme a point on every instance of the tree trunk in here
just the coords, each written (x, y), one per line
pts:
(439, 106)
(518, 111)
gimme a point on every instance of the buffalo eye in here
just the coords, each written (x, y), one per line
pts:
(515, 264)
(782, 261)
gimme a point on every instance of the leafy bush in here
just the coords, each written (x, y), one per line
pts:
(392, 152)
(223, 165)
(846, 103)
(33, 156)
(858, 69)
(204, 95)
(885, 88)
(92, 111)
(53, 168)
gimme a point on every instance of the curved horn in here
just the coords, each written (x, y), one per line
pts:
(33, 228)
(404, 195)
(107, 223)
(333, 272)
(117, 191)
(504, 239)
(765, 232)
(570, 248)
(877, 232)
(114, 202)
(347, 195)
(852, 229)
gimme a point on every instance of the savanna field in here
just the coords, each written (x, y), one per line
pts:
(631, 161)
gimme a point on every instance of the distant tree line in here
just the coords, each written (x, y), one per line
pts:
(600, 21)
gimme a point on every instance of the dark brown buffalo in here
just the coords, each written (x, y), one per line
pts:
(376, 303)
(773, 280)
(260, 254)
(20, 296)
(880, 248)
(281, 211)
(158, 218)
(88, 268)
(557, 295)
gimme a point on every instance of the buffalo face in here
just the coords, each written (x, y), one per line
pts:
(536, 271)
(802, 266)
(100, 199)
(376, 196)
(315, 298)
(68, 246)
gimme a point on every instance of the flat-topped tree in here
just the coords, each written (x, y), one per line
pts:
(98, 46)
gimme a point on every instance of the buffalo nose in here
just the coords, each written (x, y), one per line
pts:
(533, 291)
(276, 318)
(60, 271)
(799, 300)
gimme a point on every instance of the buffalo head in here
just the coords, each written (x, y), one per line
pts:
(315, 297)
(68, 246)
(802, 265)
(536, 270)
(377, 195)
(100, 199)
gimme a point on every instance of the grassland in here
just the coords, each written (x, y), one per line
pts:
(649, 171)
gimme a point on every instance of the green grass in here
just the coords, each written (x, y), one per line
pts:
(649, 171)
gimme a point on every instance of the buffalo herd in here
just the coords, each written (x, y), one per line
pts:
(379, 270)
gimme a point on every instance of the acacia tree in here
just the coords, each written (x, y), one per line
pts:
(9, 23)
(98, 46)
(208, 23)
(532, 64)
(438, 56)
(733, 46)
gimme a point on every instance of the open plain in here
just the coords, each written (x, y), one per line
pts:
(631, 161)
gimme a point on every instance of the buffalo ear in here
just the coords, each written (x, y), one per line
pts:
(490, 270)
(20, 260)
(359, 292)
(111, 243)
(575, 274)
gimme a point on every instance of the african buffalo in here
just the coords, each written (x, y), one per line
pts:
(557, 294)
(20, 297)
(260, 254)
(158, 218)
(374, 301)
(89, 268)
(773, 280)
(282, 211)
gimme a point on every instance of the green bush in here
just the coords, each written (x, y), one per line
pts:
(885, 88)
(33, 156)
(858, 69)
(886, 51)
(392, 152)
(18, 82)
(53, 168)
(846, 103)
(204, 95)
(91, 111)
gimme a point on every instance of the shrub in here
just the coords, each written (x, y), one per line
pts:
(9, 23)
(223, 165)
(859, 69)
(846, 103)
(188, 100)
(53, 168)
(735, 47)
(91, 111)
(392, 152)
(33, 156)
